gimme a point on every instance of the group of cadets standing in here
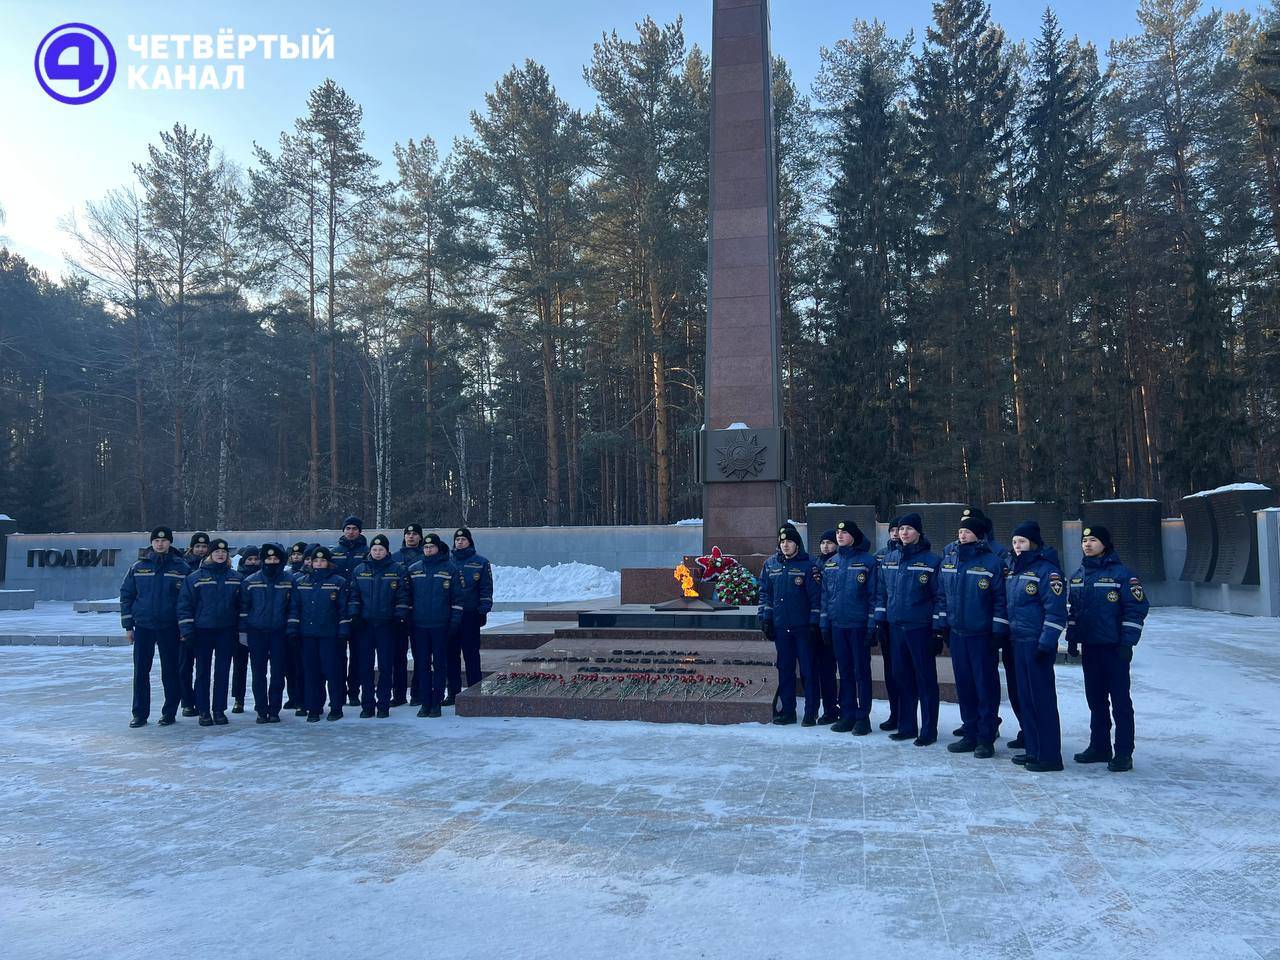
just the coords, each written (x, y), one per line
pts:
(987, 605)
(314, 620)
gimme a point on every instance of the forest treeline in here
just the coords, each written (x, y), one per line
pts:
(1008, 271)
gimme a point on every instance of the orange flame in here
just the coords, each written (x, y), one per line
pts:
(686, 580)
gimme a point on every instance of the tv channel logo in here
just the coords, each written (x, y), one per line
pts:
(75, 63)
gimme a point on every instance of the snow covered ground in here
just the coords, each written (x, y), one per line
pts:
(562, 839)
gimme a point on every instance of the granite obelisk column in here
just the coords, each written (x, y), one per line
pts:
(742, 450)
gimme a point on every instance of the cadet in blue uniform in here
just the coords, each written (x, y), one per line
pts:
(1037, 607)
(790, 608)
(908, 592)
(880, 635)
(435, 599)
(249, 564)
(197, 551)
(477, 600)
(379, 605)
(209, 619)
(266, 600)
(149, 616)
(410, 552)
(1107, 610)
(971, 606)
(320, 616)
(848, 613)
(349, 552)
(825, 655)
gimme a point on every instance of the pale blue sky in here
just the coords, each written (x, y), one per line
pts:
(417, 68)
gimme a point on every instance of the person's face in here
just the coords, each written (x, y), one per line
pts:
(965, 535)
(908, 535)
(827, 547)
(844, 538)
(319, 563)
(306, 563)
(351, 531)
(272, 561)
(1092, 546)
(296, 556)
(1020, 544)
(218, 556)
(893, 533)
(461, 543)
(378, 551)
(160, 545)
(430, 550)
(251, 561)
(789, 548)
(412, 539)
(200, 550)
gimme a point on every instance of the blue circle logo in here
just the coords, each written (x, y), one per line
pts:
(75, 63)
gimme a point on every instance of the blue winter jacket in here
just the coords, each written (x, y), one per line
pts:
(790, 591)
(407, 556)
(435, 585)
(266, 599)
(1107, 602)
(907, 591)
(379, 591)
(349, 554)
(477, 580)
(972, 600)
(209, 599)
(1000, 550)
(849, 578)
(320, 605)
(150, 589)
(1037, 600)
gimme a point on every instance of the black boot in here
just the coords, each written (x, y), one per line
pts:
(424, 711)
(137, 722)
(1094, 755)
(414, 702)
(433, 712)
(313, 718)
(189, 712)
(206, 720)
(827, 718)
(366, 714)
(1120, 764)
(262, 718)
(398, 701)
(900, 735)
(923, 741)
(780, 720)
(958, 732)
(809, 722)
(220, 719)
(166, 722)
(1035, 766)
(842, 726)
(383, 713)
(334, 715)
(290, 705)
(890, 724)
(965, 745)
(861, 727)
(239, 707)
(1018, 742)
(300, 712)
(1021, 759)
(984, 751)
(449, 700)
(273, 718)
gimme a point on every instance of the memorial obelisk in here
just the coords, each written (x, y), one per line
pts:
(742, 452)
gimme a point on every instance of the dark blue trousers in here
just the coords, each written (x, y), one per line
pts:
(377, 639)
(350, 653)
(239, 671)
(186, 673)
(824, 661)
(890, 679)
(400, 664)
(324, 662)
(293, 672)
(267, 652)
(1040, 726)
(1010, 680)
(145, 644)
(1106, 688)
(214, 650)
(977, 684)
(433, 655)
(794, 648)
(916, 671)
(465, 648)
(854, 659)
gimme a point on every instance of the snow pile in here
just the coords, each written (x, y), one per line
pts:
(690, 522)
(561, 581)
(1230, 488)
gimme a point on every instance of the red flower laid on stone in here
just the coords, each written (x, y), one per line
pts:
(715, 563)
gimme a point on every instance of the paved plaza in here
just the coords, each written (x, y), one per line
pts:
(466, 837)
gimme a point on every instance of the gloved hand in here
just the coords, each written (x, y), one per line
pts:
(881, 636)
(815, 635)
(826, 637)
(1046, 654)
(940, 637)
(483, 618)
(1126, 652)
(187, 638)
(766, 627)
